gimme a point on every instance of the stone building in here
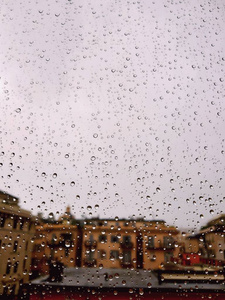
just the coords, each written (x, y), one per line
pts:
(16, 237)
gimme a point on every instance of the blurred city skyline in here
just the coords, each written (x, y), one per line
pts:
(114, 108)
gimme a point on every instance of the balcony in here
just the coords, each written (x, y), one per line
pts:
(63, 244)
(89, 262)
(90, 244)
(126, 264)
(127, 245)
(161, 246)
(150, 247)
(54, 244)
(169, 247)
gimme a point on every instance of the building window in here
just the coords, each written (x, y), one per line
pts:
(114, 239)
(26, 246)
(153, 257)
(15, 246)
(2, 220)
(89, 256)
(15, 268)
(126, 239)
(127, 256)
(167, 257)
(24, 264)
(21, 224)
(114, 254)
(168, 242)
(12, 292)
(66, 236)
(91, 238)
(15, 222)
(102, 254)
(102, 238)
(8, 267)
(151, 242)
(67, 252)
(5, 290)
(30, 226)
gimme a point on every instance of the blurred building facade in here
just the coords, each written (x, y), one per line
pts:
(17, 228)
(106, 243)
(128, 243)
(55, 240)
(122, 243)
(205, 247)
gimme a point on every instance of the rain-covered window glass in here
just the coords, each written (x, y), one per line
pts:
(112, 149)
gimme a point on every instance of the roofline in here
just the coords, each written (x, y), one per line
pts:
(7, 194)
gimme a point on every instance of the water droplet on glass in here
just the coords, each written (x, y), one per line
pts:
(51, 215)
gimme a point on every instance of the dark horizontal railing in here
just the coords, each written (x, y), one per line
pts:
(89, 262)
(91, 244)
(161, 247)
(126, 264)
(126, 245)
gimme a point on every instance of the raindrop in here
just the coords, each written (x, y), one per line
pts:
(51, 215)
(67, 244)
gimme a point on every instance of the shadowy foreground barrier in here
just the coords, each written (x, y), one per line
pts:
(60, 293)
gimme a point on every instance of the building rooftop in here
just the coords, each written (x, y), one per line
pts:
(8, 199)
(9, 204)
(121, 279)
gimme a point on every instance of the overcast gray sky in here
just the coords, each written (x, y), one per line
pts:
(114, 107)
